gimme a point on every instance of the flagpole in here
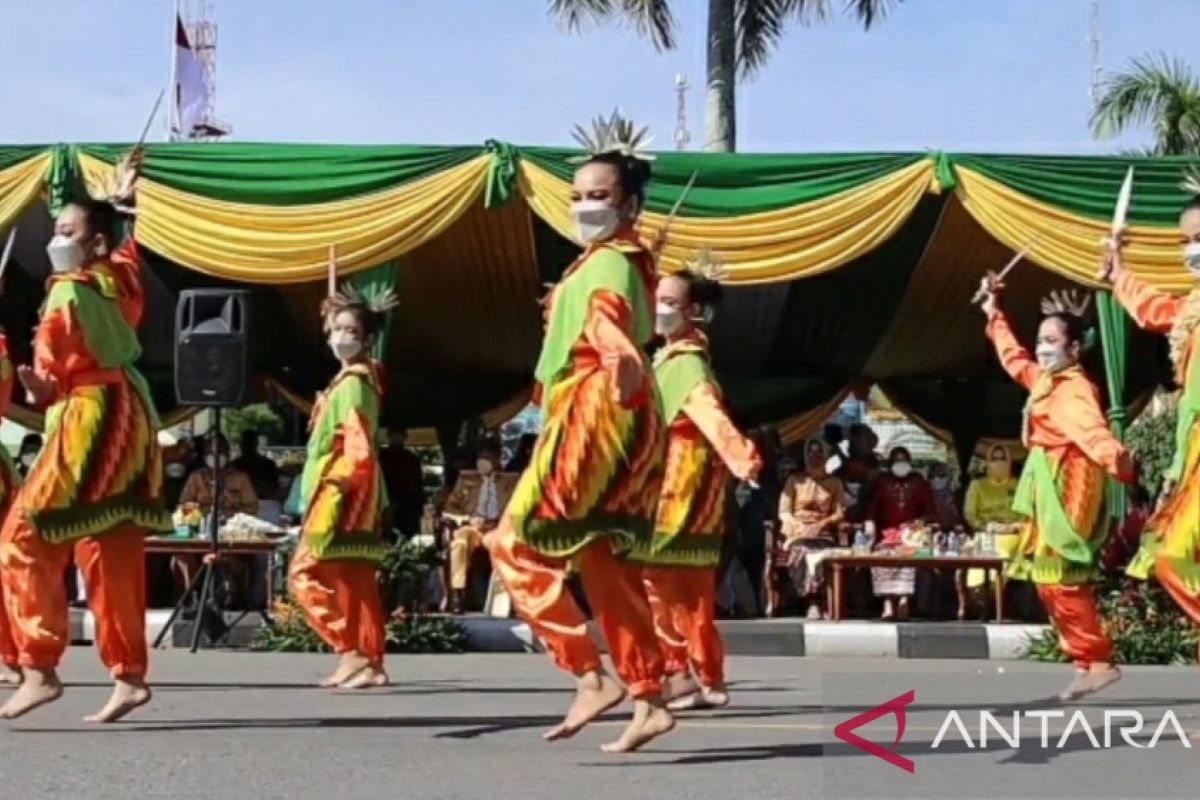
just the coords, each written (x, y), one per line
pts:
(171, 87)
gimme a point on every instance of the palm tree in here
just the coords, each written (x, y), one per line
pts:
(1156, 91)
(741, 37)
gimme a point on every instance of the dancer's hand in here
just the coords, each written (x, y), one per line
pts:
(1112, 258)
(990, 288)
(38, 390)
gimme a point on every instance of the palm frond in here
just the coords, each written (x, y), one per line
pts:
(650, 18)
(760, 24)
(1157, 92)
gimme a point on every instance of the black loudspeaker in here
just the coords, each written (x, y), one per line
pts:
(212, 335)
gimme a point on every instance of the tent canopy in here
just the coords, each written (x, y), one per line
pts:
(846, 269)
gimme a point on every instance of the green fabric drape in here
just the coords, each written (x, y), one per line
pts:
(1087, 185)
(1114, 337)
(372, 283)
(64, 183)
(286, 174)
(502, 177)
(729, 184)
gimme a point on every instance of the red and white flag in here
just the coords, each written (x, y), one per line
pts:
(191, 93)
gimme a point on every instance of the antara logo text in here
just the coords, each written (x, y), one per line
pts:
(1118, 727)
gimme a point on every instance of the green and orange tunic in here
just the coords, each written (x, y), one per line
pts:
(1071, 452)
(101, 467)
(703, 448)
(596, 468)
(341, 489)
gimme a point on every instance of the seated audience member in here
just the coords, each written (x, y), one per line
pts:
(405, 480)
(262, 471)
(811, 506)
(475, 504)
(524, 452)
(859, 470)
(898, 497)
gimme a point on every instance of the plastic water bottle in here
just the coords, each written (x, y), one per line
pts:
(860, 542)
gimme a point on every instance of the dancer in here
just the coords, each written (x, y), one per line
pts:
(96, 486)
(10, 482)
(591, 489)
(1062, 487)
(1171, 545)
(703, 447)
(332, 576)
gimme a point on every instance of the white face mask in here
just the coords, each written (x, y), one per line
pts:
(1052, 359)
(667, 319)
(902, 469)
(175, 471)
(66, 255)
(1191, 258)
(595, 220)
(939, 482)
(344, 347)
(27, 459)
(213, 463)
(484, 466)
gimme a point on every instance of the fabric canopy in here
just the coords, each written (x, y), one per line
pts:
(843, 267)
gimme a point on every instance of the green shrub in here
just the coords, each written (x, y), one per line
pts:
(1145, 625)
(1152, 440)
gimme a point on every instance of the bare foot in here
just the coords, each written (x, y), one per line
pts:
(704, 698)
(715, 697)
(9, 676)
(39, 688)
(368, 678)
(650, 720)
(349, 665)
(1077, 688)
(594, 694)
(128, 694)
(1101, 677)
(680, 684)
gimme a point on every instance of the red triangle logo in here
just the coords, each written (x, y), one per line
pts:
(845, 731)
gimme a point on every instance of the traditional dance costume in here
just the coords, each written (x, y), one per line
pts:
(703, 447)
(10, 483)
(590, 491)
(332, 576)
(1061, 493)
(1171, 545)
(96, 487)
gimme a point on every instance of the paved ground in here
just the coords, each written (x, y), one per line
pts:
(240, 725)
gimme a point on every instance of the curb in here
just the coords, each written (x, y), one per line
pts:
(751, 637)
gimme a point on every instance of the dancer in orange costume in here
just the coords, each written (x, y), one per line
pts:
(590, 491)
(332, 576)
(96, 486)
(1171, 545)
(1062, 487)
(10, 482)
(703, 447)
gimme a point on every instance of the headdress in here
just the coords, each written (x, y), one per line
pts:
(615, 135)
(1066, 301)
(705, 264)
(376, 300)
(1191, 181)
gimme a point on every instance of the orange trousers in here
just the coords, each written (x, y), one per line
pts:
(35, 595)
(8, 648)
(1072, 609)
(615, 589)
(1188, 602)
(340, 599)
(684, 604)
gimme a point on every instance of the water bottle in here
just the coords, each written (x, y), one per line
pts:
(953, 544)
(860, 542)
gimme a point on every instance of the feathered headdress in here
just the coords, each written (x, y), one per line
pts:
(613, 135)
(707, 265)
(1066, 301)
(376, 300)
(1191, 181)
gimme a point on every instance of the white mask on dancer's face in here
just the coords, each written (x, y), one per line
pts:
(66, 254)
(1052, 359)
(667, 319)
(344, 347)
(1191, 258)
(595, 220)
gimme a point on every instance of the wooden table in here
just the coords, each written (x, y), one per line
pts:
(839, 563)
(200, 546)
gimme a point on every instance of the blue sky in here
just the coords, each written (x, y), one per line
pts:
(982, 75)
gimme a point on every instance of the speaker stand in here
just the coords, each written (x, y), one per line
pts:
(204, 581)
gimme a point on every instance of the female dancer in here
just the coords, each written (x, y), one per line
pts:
(703, 447)
(332, 576)
(1063, 484)
(1171, 546)
(10, 482)
(591, 489)
(97, 485)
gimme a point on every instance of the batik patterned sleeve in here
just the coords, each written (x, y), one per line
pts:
(705, 408)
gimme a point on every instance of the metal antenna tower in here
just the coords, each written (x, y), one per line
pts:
(202, 31)
(682, 137)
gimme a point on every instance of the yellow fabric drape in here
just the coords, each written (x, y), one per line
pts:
(19, 185)
(1064, 243)
(941, 434)
(288, 244)
(800, 427)
(795, 242)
